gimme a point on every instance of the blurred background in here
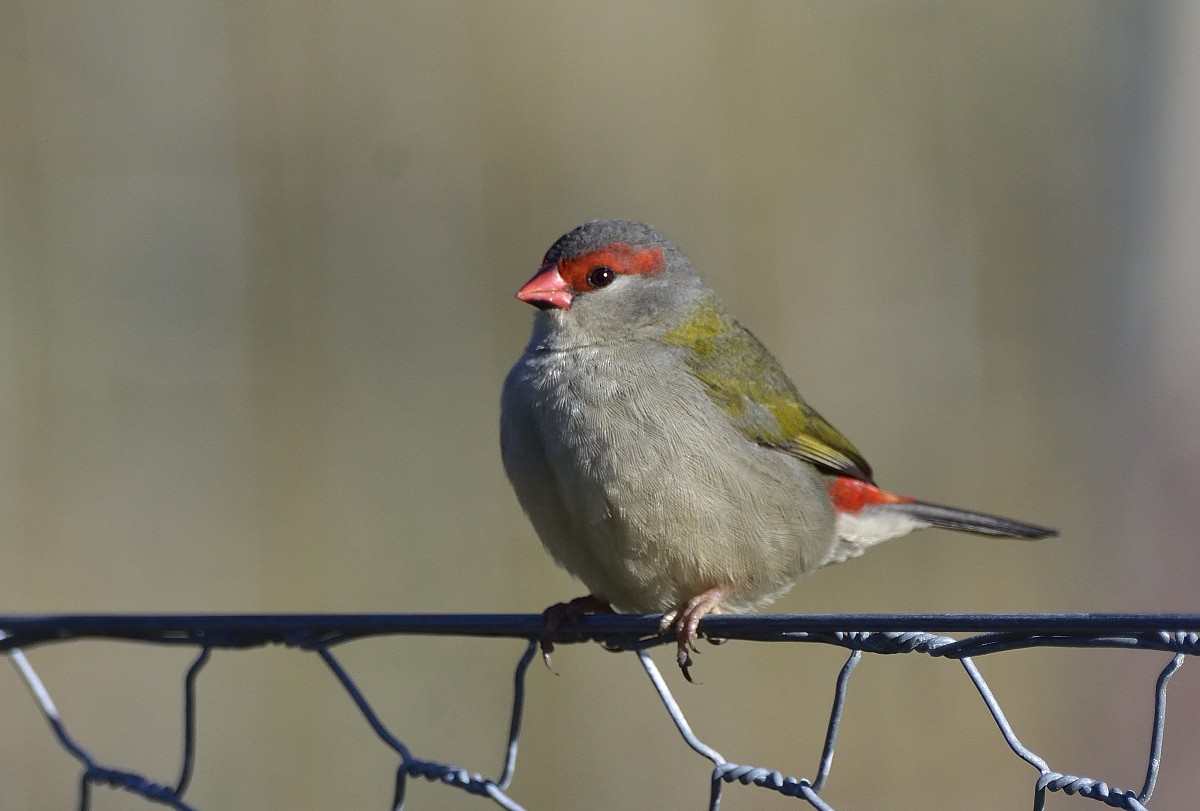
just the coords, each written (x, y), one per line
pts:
(257, 266)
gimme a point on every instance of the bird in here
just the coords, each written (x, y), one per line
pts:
(665, 458)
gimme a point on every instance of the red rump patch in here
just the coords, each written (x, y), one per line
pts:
(622, 258)
(851, 495)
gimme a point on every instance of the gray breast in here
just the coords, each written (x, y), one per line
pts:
(638, 485)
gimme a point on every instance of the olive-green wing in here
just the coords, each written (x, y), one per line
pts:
(746, 381)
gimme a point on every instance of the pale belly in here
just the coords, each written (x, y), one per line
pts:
(639, 486)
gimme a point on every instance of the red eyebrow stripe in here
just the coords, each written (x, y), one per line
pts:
(620, 257)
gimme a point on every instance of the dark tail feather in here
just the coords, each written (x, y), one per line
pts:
(966, 521)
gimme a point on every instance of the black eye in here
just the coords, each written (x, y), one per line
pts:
(600, 276)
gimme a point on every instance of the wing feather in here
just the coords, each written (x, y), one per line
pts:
(750, 386)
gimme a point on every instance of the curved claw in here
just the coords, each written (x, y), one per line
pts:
(553, 616)
(686, 621)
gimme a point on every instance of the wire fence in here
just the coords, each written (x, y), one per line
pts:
(1177, 635)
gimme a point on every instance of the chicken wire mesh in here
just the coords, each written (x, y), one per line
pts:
(1177, 635)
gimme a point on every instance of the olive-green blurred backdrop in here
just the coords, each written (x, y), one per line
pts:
(257, 263)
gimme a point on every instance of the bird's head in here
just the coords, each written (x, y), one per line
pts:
(612, 279)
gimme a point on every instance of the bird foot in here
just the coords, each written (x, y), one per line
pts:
(571, 611)
(686, 622)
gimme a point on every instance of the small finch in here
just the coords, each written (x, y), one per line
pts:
(664, 457)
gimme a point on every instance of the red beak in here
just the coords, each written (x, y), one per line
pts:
(547, 290)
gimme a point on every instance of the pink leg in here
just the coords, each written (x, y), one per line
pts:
(686, 621)
(553, 616)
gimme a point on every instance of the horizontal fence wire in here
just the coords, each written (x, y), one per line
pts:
(1174, 634)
